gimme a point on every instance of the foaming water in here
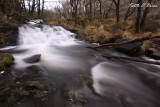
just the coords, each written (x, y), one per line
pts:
(46, 40)
(111, 79)
(45, 35)
(37, 21)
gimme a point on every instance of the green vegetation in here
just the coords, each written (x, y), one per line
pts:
(6, 60)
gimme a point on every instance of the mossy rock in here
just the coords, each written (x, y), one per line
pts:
(6, 60)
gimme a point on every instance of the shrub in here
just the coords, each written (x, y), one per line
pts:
(105, 27)
(146, 45)
(96, 24)
(151, 26)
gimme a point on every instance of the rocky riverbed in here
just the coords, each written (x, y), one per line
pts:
(52, 68)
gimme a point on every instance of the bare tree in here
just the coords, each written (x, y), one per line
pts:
(129, 12)
(42, 6)
(39, 7)
(117, 4)
(146, 11)
(90, 9)
(33, 7)
(100, 7)
(138, 18)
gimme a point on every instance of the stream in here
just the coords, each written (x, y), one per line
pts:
(89, 79)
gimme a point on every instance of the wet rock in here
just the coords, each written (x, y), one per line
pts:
(35, 69)
(36, 88)
(131, 49)
(8, 27)
(12, 39)
(9, 39)
(34, 85)
(6, 60)
(81, 98)
(24, 93)
(39, 87)
(23, 76)
(33, 59)
(75, 98)
(153, 53)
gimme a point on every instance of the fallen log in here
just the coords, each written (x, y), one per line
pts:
(133, 59)
(129, 41)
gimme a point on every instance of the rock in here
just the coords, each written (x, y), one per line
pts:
(23, 93)
(22, 76)
(10, 39)
(131, 49)
(6, 60)
(33, 59)
(6, 27)
(153, 53)
(81, 98)
(35, 85)
(35, 69)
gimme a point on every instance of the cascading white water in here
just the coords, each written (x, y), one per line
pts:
(45, 40)
(45, 36)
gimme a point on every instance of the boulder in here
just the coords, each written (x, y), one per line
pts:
(6, 27)
(6, 60)
(35, 69)
(33, 59)
(9, 39)
(153, 53)
(131, 49)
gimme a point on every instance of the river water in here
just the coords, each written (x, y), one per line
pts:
(114, 82)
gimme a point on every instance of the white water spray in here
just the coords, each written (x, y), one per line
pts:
(44, 40)
(45, 36)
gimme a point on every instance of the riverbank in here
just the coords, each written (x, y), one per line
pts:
(104, 31)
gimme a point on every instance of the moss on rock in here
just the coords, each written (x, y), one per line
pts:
(6, 60)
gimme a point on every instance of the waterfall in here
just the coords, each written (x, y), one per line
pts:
(45, 35)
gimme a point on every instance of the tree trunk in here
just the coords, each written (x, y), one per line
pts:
(117, 4)
(33, 7)
(29, 6)
(100, 7)
(42, 6)
(128, 13)
(39, 7)
(2, 6)
(91, 9)
(146, 11)
(117, 11)
(138, 17)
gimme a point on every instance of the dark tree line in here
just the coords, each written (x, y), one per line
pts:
(21, 6)
(108, 8)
